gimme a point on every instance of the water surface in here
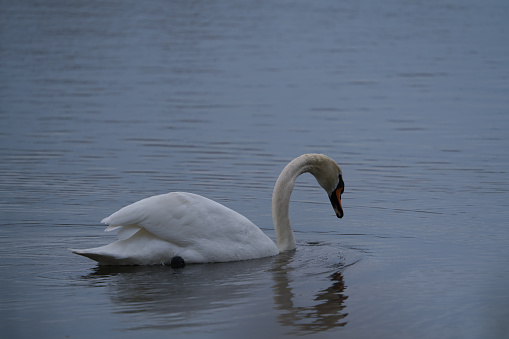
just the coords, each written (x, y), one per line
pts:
(103, 104)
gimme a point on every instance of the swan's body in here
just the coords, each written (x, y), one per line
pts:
(157, 229)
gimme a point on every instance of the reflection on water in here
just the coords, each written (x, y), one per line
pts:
(326, 314)
(163, 298)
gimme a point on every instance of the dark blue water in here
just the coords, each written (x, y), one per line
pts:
(106, 103)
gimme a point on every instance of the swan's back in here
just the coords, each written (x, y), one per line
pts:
(156, 229)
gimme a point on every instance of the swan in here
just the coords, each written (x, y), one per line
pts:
(181, 228)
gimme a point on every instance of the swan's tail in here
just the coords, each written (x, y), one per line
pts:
(101, 256)
(142, 248)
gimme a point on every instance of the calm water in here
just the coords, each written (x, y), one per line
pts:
(105, 103)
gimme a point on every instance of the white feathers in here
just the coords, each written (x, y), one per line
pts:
(180, 224)
(158, 228)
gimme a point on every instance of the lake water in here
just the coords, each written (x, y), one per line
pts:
(106, 103)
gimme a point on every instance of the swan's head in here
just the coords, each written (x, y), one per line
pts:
(329, 176)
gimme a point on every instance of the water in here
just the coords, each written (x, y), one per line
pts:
(105, 103)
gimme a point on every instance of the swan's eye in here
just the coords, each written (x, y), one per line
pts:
(341, 184)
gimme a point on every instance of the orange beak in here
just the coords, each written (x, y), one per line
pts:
(336, 202)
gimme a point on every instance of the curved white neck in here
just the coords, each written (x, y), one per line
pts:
(324, 169)
(281, 200)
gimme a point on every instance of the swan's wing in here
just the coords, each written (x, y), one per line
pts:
(182, 218)
(161, 215)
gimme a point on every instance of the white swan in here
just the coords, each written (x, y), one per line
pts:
(194, 229)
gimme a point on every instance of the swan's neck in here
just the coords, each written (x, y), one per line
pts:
(281, 201)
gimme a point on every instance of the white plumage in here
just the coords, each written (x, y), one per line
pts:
(157, 229)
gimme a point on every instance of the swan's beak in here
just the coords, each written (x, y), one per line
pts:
(335, 200)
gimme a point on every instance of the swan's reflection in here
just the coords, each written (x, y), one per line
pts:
(169, 299)
(327, 311)
(162, 298)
